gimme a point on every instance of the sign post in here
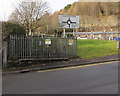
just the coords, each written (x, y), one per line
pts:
(64, 32)
(73, 32)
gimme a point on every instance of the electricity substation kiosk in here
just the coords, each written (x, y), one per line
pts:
(68, 21)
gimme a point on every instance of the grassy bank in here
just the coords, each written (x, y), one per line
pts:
(96, 48)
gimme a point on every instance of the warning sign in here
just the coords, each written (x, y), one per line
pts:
(48, 41)
(70, 42)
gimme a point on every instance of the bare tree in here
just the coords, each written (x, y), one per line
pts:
(29, 13)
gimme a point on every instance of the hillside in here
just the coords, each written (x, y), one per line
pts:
(101, 15)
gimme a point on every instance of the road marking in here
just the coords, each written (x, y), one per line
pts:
(90, 65)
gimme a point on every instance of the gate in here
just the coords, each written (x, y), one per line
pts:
(36, 47)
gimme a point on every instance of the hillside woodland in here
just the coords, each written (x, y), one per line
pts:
(97, 16)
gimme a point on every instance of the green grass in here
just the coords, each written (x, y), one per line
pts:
(96, 48)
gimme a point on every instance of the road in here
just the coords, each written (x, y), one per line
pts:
(93, 79)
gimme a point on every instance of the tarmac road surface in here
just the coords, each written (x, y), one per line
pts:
(94, 79)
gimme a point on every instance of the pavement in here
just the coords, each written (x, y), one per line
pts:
(61, 64)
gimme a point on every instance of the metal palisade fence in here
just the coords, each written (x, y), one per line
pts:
(36, 47)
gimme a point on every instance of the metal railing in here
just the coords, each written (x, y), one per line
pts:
(35, 47)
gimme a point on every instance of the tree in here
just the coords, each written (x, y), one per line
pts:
(29, 13)
(46, 23)
(12, 29)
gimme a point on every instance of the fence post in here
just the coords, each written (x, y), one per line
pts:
(5, 45)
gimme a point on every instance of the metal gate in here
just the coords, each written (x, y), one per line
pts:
(36, 47)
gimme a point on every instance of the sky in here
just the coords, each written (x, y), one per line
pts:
(8, 6)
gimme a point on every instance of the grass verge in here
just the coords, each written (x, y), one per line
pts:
(96, 48)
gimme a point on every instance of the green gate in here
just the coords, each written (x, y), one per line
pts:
(36, 47)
